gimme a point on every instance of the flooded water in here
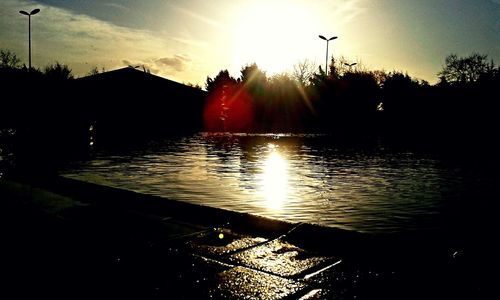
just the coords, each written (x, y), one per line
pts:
(298, 178)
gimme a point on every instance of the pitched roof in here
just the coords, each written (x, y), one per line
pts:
(137, 77)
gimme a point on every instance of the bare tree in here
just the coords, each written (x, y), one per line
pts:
(344, 65)
(303, 71)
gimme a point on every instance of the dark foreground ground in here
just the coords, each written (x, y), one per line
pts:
(66, 239)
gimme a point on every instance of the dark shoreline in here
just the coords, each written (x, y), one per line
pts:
(79, 230)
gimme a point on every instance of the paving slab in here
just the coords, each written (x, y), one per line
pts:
(280, 258)
(61, 245)
(243, 283)
(222, 241)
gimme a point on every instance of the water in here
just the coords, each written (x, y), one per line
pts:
(298, 178)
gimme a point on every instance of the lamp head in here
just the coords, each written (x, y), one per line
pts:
(35, 11)
(332, 38)
(322, 37)
(24, 13)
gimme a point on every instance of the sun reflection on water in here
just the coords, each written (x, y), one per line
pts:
(293, 178)
(274, 180)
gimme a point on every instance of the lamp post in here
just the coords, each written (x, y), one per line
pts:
(33, 12)
(327, 40)
(350, 65)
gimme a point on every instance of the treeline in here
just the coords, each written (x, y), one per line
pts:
(40, 119)
(31, 98)
(347, 100)
(356, 101)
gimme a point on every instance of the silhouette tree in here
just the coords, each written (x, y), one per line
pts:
(9, 59)
(221, 79)
(193, 85)
(360, 93)
(380, 76)
(58, 71)
(93, 71)
(463, 70)
(398, 92)
(283, 108)
(335, 69)
(253, 78)
(255, 85)
(222, 107)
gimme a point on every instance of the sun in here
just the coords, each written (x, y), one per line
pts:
(272, 34)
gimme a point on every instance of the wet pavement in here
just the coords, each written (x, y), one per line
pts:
(65, 245)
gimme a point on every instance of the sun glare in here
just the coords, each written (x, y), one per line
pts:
(272, 35)
(274, 179)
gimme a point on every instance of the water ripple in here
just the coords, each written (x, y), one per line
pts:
(300, 178)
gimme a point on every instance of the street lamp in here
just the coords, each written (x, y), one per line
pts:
(350, 65)
(33, 12)
(327, 40)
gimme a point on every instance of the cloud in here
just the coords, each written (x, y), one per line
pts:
(341, 11)
(117, 6)
(178, 62)
(82, 41)
(196, 16)
(128, 63)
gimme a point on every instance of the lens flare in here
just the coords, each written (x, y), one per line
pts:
(229, 108)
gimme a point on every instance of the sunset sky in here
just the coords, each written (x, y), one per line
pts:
(189, 40)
